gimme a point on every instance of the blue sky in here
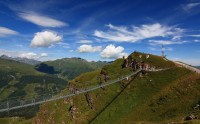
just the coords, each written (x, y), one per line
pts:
(100, 29)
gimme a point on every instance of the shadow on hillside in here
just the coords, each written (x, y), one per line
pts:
(45, 68)
(112, 99)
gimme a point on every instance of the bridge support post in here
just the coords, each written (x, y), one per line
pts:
(44, 98)
(33, 101)
(21, 102)
(8, 106)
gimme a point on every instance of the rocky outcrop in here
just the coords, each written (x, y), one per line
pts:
(89, 100)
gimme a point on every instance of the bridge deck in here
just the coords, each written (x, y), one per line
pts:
(17, 103)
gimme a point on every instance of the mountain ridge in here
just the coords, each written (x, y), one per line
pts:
(106, 105)
(22, 60)
(69, 68)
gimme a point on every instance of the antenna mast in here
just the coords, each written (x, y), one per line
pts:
(163, 51)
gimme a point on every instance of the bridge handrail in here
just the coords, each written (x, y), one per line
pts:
(50, 97)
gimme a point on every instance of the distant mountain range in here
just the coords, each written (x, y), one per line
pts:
(69, 68)
(22, 60)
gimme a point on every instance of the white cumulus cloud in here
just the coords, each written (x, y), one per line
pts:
(29, 55)
(43, 55)
(45, 39)
(135, 34)
(89, 48)
(112, 52)
(23, 54)
(41, 20)
(6, 31)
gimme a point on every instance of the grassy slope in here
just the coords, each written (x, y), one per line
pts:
(14, 120)
(141, 101)
(84, 113)
(165, 98)
(19, 79)
(157, 97)
(13, 66)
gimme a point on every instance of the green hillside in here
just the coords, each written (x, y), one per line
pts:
(69, 68)
(156, 97)
(18, 79)
(153, 97)
(14, 120)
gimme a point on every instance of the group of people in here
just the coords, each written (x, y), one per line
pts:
(135, 64)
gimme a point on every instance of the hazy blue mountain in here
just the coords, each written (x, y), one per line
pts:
(22, 60)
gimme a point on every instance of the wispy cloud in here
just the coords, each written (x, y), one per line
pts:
(159, 49)
(19, 45)
(89, 48)
(41, 20)
(176, 37)
(85, 41)
(6, 31)
(196, 40)
(135, 34)
(64, 45)
(165, 42)
(195, 35)
(189, 6)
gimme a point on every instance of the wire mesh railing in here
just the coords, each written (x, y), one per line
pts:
(18, 102)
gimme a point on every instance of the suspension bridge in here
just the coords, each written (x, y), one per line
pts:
(17, 103)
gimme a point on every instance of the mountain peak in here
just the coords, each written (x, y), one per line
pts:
(4, 56)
